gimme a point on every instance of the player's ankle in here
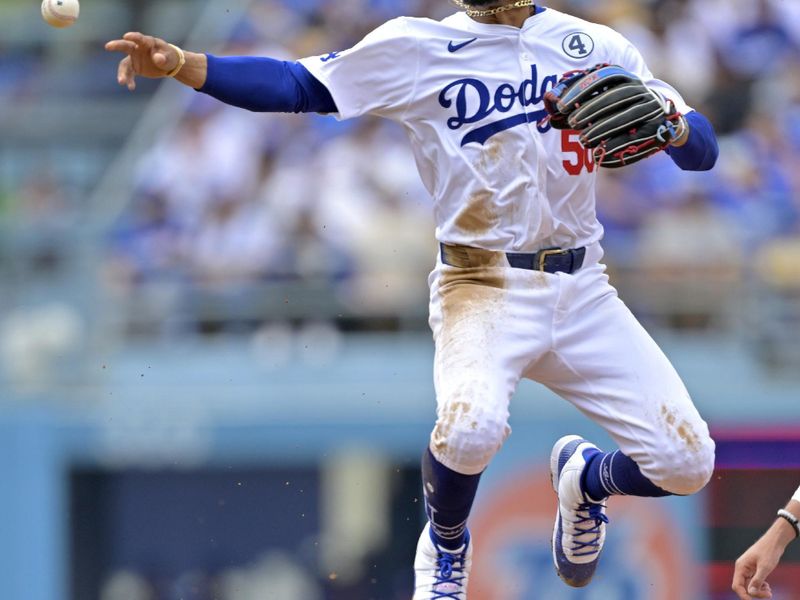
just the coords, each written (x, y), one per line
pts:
(591, 481)
(450, 545)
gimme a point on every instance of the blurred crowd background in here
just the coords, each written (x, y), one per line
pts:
(162, 223)
(222, 212)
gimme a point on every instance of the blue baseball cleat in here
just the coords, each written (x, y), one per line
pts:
(580, 528)
(440, 574)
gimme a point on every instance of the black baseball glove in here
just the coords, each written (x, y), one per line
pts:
(617, 115)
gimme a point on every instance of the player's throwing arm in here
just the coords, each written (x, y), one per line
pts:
(754, 566)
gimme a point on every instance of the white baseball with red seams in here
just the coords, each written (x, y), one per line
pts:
(60, 13)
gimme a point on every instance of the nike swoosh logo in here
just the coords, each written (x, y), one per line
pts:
(456, 47)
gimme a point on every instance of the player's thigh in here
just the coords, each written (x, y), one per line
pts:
(487, 325)
(482, 348)
(606, 364)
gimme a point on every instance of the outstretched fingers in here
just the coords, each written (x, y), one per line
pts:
(123, 46)
(148, 44)
(146, 55)
(125, 73)
(137, 38)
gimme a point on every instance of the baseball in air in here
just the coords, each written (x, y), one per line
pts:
(60, 13)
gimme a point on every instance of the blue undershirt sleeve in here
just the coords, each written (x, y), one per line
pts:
(266, 85)
(701, 150)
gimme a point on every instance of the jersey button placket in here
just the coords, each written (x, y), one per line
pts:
(524, 54)
(525, 61)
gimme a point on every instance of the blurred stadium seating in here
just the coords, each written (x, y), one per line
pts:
(201, 307)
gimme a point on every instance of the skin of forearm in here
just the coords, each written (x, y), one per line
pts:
(794, 508)
(782, 533)
(195, 70)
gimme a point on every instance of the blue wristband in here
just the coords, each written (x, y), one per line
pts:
(701, 150)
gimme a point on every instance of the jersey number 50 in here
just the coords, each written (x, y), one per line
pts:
(581, 157)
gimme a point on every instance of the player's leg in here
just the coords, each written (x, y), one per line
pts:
(609, 367)
(480, 355)
(605, 363)
(444, 551)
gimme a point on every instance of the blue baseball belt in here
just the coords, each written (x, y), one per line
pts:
(549, 260)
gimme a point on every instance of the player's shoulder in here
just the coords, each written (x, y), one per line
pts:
(411, 28)
(392, 28)
(424, 27)
(561, 23)
(561, 20)
(577, 35)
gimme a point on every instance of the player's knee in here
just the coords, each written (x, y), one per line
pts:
(687, 468)
(467, 436)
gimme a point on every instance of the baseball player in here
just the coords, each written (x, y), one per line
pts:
(519, 289)
(754, 566)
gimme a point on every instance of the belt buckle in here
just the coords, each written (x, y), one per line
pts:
(543, 254)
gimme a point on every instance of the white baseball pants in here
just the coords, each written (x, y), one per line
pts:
(495, 324)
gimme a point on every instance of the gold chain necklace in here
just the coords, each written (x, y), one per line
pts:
(492, 11)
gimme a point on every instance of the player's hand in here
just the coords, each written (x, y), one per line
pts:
(754, 566)
(147, 56)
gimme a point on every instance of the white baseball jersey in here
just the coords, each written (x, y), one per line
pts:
(796, 496)
(470, 96)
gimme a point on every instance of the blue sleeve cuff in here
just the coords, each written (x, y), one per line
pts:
(265, 85)
(701, 150)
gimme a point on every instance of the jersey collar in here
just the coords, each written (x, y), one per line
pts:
(504, 30)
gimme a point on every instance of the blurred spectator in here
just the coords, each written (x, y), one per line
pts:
(40, 217)
(762, 46)
(758, 181)
(693, 261)
(145, 248)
